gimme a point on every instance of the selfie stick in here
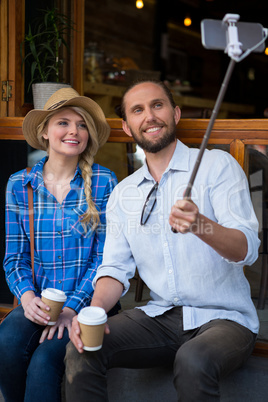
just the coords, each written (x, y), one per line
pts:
(234, 50)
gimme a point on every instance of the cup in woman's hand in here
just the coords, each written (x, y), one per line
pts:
(92, 322)
(55, 299)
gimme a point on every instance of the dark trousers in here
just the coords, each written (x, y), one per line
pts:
(35, 369)
(30, 371)
(200, 357)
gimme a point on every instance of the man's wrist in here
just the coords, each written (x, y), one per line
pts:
(202, 227)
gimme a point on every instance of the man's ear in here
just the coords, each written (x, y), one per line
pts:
(126, 128)
(177, 114)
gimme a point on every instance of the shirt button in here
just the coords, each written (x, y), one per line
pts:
(175, 299)
(59, 233)
(170, 271)
(59, 257)
(60, 281)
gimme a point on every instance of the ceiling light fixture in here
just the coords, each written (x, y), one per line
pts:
(187, 21)
(139, 4)
(266, 51)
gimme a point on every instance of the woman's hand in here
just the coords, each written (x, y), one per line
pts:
(32, 306)
(64, 321)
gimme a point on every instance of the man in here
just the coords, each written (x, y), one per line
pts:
(201, 317)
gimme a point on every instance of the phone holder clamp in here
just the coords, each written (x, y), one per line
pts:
(234, 47)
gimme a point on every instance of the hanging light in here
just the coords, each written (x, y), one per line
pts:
(139, 4)
(266, 51)
(187, 21)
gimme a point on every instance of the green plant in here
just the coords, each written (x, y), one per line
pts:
(42, 48)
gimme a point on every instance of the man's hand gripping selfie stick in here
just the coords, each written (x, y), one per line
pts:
(234, 50)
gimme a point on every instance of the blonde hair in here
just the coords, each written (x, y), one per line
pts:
(86, 160)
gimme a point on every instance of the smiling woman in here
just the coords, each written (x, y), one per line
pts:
(67, 135)
(70, 193)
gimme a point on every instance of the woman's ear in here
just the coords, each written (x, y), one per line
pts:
(126, 128)
(45, 136)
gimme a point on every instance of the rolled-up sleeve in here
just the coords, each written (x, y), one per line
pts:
(230, 198)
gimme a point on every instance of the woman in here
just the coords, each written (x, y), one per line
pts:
(70, 193)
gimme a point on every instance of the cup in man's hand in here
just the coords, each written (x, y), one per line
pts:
(55, 299)
(92, 323)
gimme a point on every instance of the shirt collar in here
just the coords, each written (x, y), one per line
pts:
(180, 161)
(36, 174)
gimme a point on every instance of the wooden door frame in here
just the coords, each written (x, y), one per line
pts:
(16, 22)
(3, 51)
(78, 15)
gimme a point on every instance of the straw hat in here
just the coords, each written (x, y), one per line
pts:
(66, 97)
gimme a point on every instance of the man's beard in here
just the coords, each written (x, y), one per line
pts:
(162, 142)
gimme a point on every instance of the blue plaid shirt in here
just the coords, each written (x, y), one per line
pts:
(66, 256)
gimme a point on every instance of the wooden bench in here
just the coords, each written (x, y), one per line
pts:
(234, 135)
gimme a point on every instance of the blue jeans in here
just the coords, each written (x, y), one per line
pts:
(30, 371)
(200, 357)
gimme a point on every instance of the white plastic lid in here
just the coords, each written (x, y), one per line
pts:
(92, 316)
(54, 294)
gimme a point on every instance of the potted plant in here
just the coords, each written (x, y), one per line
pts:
(42, 52)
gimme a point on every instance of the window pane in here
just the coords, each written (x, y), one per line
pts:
(256, 163)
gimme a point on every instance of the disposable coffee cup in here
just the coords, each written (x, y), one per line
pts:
(92, 322)
(55, 299)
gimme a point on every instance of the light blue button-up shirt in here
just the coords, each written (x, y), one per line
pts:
(180, 269)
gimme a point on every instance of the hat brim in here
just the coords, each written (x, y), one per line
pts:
(35, 117)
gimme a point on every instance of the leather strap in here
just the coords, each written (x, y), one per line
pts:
(31, 221)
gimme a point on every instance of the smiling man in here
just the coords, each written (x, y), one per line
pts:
(201, 318)
(158, 130)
